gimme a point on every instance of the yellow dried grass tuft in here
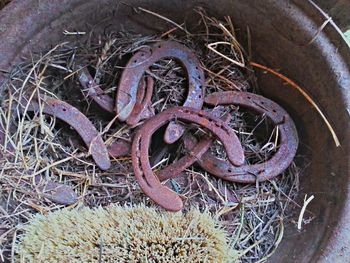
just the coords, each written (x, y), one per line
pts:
(124, 234)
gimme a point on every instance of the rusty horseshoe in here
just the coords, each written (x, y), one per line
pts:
(288, 140)
(141, 61)
(147, 180)
(142, 109)
(93, 90)
(80, 123)
(194, 154)
(119, 148)
(106, 102)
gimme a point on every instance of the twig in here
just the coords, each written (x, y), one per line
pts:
(308, 98)
(319, 30)
(212, 47)
(164, 18)
(301, 215)
(66, 32)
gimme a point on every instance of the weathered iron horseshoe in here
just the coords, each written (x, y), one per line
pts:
(80, 123)
(119, 148)
(106, 102)
(195, 153)
(142, 109)
(141, 61)
(147, 180)
(250, 173)
(186, 161)
(94, 91)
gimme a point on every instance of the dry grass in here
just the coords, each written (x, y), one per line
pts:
(253, 215)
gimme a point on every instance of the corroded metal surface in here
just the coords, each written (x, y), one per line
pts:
(80, 123)
(119, 148)
(142, 109)
(27, 26)
(141, 61)
(93, 90)
(288, 140)
(147, 180)
(186, 161)
(195, 153)
(58, 193)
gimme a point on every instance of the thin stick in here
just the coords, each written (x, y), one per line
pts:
(306, 202)
(169, 32)
(164, 18)
(212, 47)
(319, 30)
(51, 165)
(308, 98)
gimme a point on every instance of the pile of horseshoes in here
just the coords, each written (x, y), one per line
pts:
(133, 105)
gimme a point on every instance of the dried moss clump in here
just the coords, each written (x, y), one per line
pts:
(118, 234)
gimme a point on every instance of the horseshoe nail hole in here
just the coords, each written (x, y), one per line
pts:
(142, 54)
(248, 98)
(274, 111)
(52, 105)
(262, 102)
(197, 68)
(135, 61)
(229, 170)
(199, 77)
(159, 46)
(200, 96)
(64, 109)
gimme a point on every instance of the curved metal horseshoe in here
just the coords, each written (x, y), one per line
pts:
(194, 154)
(147, 180)
(106, 102)
(263, 171)
(119, 148)
(81, 124)
(142, 109)
(142, 60)
(186, 161)
(94, 91)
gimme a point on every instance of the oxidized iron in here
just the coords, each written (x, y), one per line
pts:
(119, 148)
(106, 102)
(280, 161)
(186, 161)
(147, 180)
(94, 91)
(194, 154)
(143, 106)
(141, 61)
(80, 123)
(56, 192)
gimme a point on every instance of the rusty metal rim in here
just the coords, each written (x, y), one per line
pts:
(333, 246)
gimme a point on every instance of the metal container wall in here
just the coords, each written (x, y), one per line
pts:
(281, 31)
